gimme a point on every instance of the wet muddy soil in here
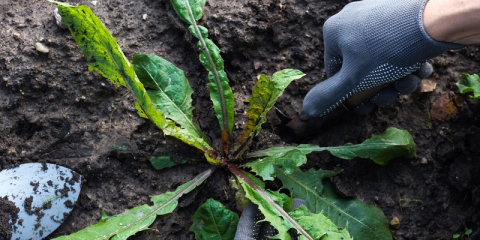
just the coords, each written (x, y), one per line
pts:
(52, 109)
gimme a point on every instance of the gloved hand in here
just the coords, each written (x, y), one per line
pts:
(250, 226)
(370, 43)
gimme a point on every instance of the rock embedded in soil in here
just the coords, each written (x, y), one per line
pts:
(41, 48)
(395, 222)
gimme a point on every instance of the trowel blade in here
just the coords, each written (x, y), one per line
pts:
(44, 195)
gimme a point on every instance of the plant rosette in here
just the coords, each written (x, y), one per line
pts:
(163, 95)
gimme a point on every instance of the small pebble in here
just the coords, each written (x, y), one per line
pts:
(41, 48)
(16, 35)
(424, 161)
(395, 222)
(11, 151)
(94, 3)
(144, 16)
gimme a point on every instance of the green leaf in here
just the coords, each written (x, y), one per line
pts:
(137, 219)
(273, 205)
(265, 93)
(202, 29)
(220, 92)
(288, 158)
(213, 221)
(168, 89)
(272, 209)
(181, 8)
(105, 56)
(363, 222)
(318, 225)
(380, 148)
(216, 69)
(470, 83)
(161, 162)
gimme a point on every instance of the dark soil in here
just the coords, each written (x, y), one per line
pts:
(8, 212)
(53, 110)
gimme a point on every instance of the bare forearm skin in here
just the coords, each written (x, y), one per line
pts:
(454, 21)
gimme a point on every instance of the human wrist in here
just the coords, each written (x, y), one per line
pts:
(453, 21)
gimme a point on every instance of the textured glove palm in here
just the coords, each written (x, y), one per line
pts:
(370, 43)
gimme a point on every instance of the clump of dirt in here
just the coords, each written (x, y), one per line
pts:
(8, 214)
(54, 110)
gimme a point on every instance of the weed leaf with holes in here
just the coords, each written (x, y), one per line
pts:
(137, 219)
(270, 203)
(379, 148)
(183, 9)
(318, 225)
(105, 56)
(213, 221)
(288, 158)
(276, 207)
(220, 92)
(169, 90)
(470, 84)
(265, 93)
(362, 221)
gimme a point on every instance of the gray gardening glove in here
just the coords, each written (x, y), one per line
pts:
(249, 227)
(370, 43)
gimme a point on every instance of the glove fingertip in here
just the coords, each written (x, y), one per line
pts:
(408, 84)
(424, 71)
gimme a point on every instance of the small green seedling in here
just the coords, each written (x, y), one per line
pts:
(462, 235)
(51, 199)
(120, 148)
(162, 161)
(470, 84)
(163, 95)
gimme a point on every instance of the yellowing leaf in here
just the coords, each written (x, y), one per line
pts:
(99, 48)
(265, 93)
(105, 56)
